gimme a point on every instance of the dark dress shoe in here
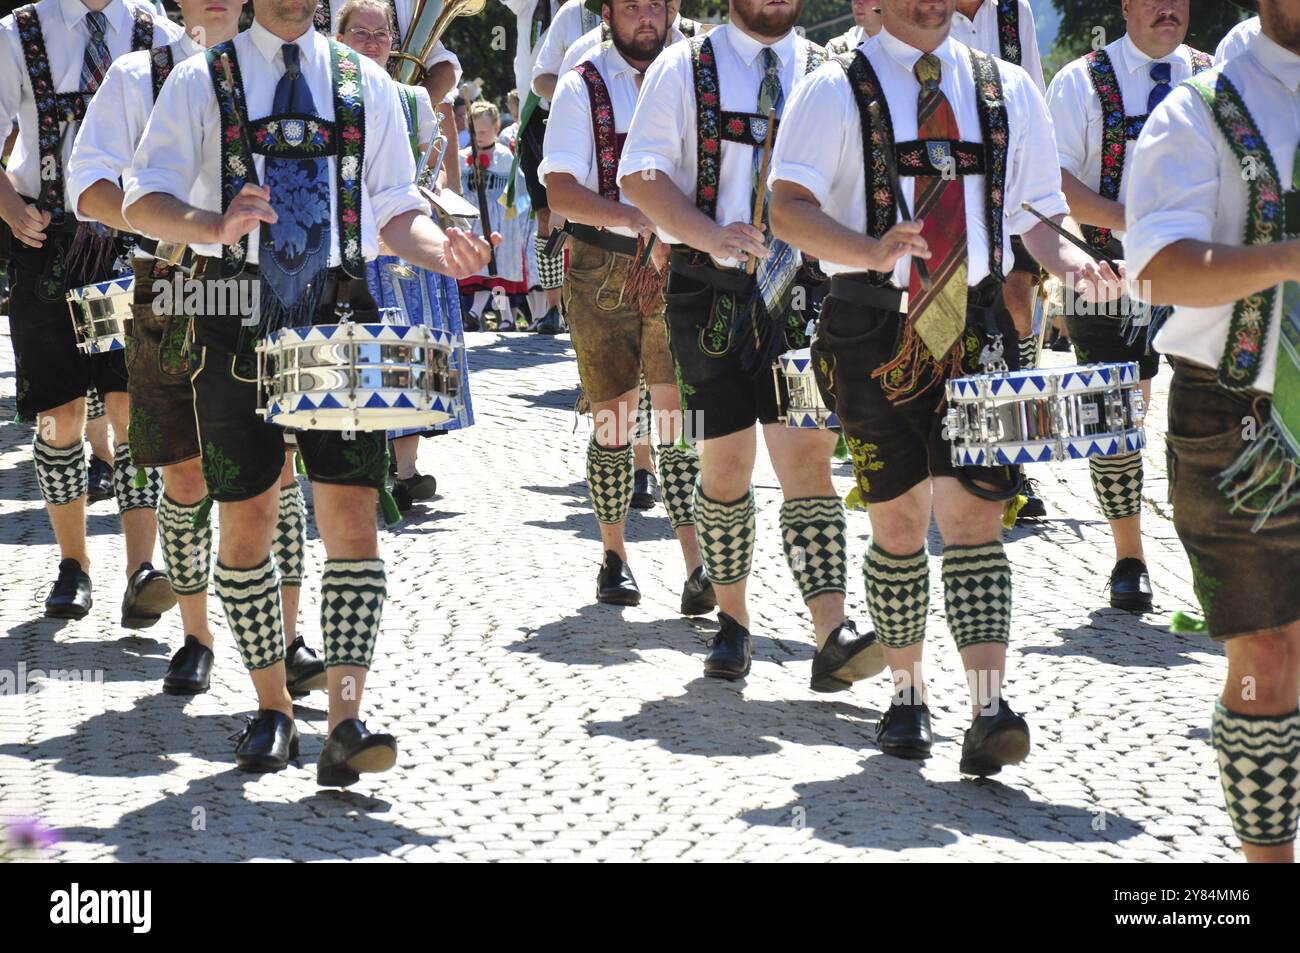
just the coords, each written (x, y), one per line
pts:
(303, 669)
(351, 751)
(421, 487)
(1033, 508)
(615, 586)
(402, 497)
(904, 730)
(99, 480)
(267, 743)
(1130, 586)
(731, 654)
(469, 322)
(551, 323)
(845, 658)
(190, 669)
(697, 594)
(148, 595)
(643, 490)
(994, 740)
(69, 598)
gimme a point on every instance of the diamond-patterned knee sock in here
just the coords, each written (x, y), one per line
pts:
(898, 595)
(1028, 344)
(251, 598)
(726, 532)
(94, 404)
(610, 480)
(550, 268)
(136, 488)
(351, 607)
(812, 535)
(678, 471)
(187, 551)
(287, 546)
(61, 472)
(1259, 763)
(1117, 481)
(977, 593)
(644, 414)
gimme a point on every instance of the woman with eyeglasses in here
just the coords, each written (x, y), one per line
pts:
(428, 298)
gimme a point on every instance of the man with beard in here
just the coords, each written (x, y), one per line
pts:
(691, 164)
(1098, 104)
(245, 113)
(1221, 247)
(614, 298)
(866, 17)
(590, 42)
(889, 340)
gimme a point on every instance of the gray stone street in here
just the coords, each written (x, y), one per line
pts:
(534, 724)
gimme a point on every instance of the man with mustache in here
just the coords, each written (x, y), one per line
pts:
(615, 300)
(321, 129)
(1098, 104)
(589, 43)
(692, 164)
(1208, 235)
(888, 341)
(866, 16)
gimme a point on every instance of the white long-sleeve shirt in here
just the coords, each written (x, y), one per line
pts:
(571, 21)
(180, 152)
(820, 145)
(1193, 188)
(1237, 40)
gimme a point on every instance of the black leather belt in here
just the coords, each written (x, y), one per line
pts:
(856, 289)
(600, 238)
(697, 266)
(205, 267)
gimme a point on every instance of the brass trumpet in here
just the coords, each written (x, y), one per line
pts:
(430, 19)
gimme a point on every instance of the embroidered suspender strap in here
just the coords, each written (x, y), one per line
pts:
(350, 122)
(321, 18)
(236, 162)
(882, 205)
(1265, 223)
(141, 31)
(929, 157)
(411, 113)
(816, 57)
(995, 128)
(608, 144)
(1009, 30)
(161, 61)
(1117, 130)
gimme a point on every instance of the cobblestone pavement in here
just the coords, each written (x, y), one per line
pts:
(534, 724)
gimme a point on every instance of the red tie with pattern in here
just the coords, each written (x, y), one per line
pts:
(939, 315)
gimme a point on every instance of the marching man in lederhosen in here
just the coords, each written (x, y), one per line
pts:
(1098, 104)
(61, 49)
(866, 24)
(223, 123)
(692, 164)
(614, 298)
(887, 341)
(1212, 230)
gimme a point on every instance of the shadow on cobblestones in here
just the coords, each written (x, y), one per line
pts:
(127, 659)
(1117, 637)
(513, 353)
(562, 398)
(603, 635)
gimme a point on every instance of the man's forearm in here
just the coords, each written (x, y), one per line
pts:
(12, 204)
(1090, 208)
(103, 203)
(414, 238)
(1198, 274)
(1053, 252)
(579, 204)
(168, 218)
(544, 85)
(664, 204)
(800, 222)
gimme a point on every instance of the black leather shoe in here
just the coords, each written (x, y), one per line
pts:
(69, 598)
(421, 487)
(731, 654)
(643, 490)
(1033, 508)
(190, 669)
(402, 497)
(615, 586)
(994, 740)
(697, 594)
(99, 480)
(904, 730)
(303, 669)
(470, 321)
(351, 751)
(267, 743)
(148, 595)
(551, 323)
(1130, 586)
(845, 658)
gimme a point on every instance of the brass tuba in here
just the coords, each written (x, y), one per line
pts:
(430, 19)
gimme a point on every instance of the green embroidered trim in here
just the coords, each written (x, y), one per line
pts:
(1204, 585)
(715, 335)
(146, 435)
(865, 460)
(219, 472)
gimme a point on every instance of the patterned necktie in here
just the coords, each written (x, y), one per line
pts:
(939, 315)
(94, 64)
(295, 249)
(770, 97)
(775, 273)
(1161, 74)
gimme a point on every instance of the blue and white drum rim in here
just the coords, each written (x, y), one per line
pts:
(1047, 451)
(366, 333)
(103, 345)
(1042, 382)
(796, 362)
(122, 284)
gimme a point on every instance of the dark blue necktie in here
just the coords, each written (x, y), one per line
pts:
(1160, 73)
(295, 249)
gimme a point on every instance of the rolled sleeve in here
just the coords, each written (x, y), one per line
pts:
(1032, 176)
(440, 54)
(106, 143)
(1069, 114)
(568, 145)
(809, 149)
(660, 130)
(170, 152)
(550, 54)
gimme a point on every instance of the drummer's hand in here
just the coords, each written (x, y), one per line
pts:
(246, 211)
(29, 226)
(1098, 282)
(900, 241)
(739, 240)
(464, 254)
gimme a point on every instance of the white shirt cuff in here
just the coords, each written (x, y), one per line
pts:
(566, 163)
(1156, 231)
(77, 184)
(804, 175)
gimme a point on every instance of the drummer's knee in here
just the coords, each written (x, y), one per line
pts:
(345, 516)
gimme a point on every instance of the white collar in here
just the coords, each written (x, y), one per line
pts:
(119, 16)
(978, 10)
(615, 63)
(906, 56)
(1136, 61)
(186, 45)
(1277, 60)
(268, 44)
(749, 49)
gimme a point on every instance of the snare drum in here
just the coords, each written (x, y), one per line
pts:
(99, 314)
(352, 376)
(796, 389)
(1044, 414)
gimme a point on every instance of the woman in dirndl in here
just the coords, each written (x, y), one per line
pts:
(423, 297)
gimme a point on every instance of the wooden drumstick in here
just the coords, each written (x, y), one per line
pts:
(760, 194)
(922, 271)
(1070, 237)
